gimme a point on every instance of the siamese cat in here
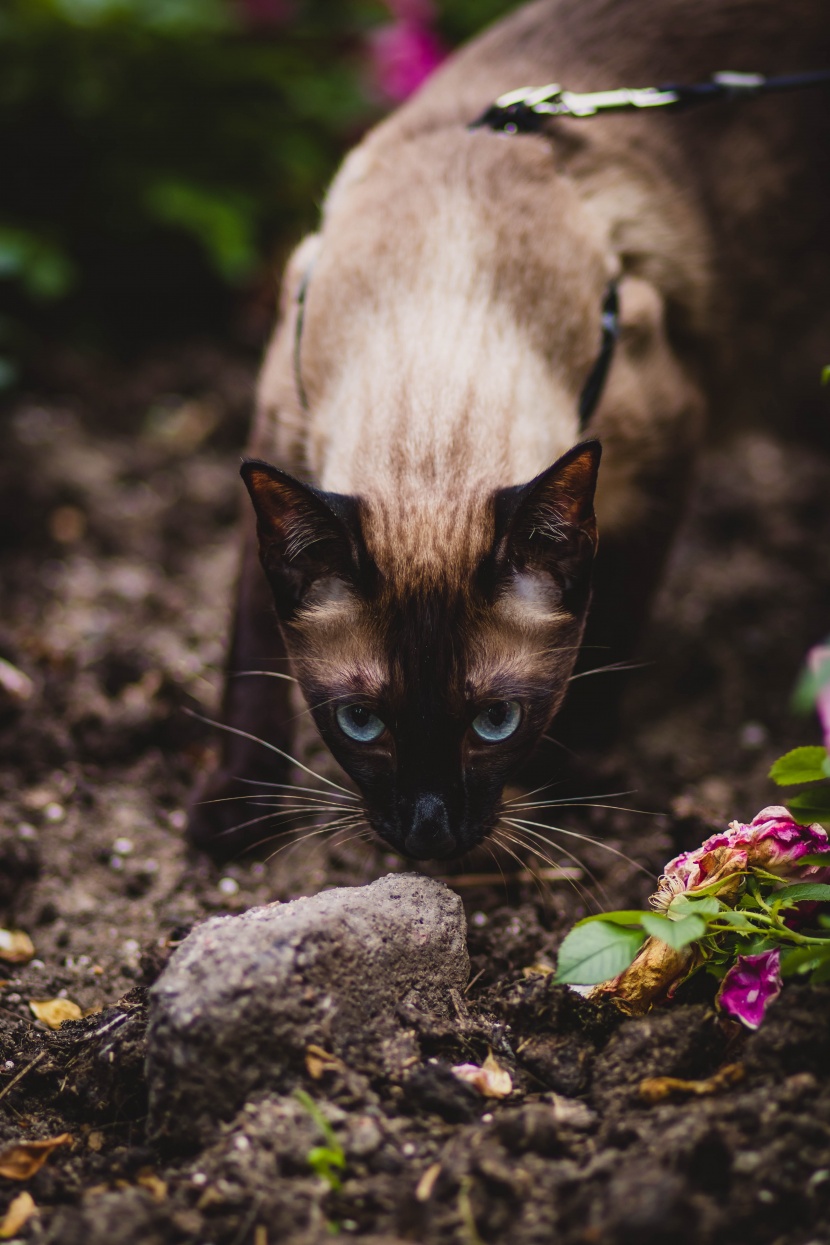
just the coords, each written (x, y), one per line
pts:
(425, 460)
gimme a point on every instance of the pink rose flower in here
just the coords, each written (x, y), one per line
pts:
(750, 986)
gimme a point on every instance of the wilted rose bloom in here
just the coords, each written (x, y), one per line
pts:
(771, 841)
(404, 54)
(653, 976)
(750, 986)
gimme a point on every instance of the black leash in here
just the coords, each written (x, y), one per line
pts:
(525, 111)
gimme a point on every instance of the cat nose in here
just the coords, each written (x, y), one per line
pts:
(429, 836)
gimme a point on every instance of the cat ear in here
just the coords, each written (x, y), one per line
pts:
(549, 524)
(305, 535)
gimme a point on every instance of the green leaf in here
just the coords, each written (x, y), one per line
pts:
(624, 917)
(821, 974)
(687, 905)
(804, 959)
(596, 952)
(810, 806)
(800, 765)
(802, 892)
(677, 934)
(223, 223)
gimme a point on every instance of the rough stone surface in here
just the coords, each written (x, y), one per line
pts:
(244, 996)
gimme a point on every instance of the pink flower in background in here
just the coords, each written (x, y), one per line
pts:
(406, 52)
(750, 986)
(818, 663)
(267, 12)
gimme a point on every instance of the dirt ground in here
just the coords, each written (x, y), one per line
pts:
(118, 511)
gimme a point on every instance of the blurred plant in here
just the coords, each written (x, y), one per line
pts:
(747, 905)
(325, 1161)
(158, 154)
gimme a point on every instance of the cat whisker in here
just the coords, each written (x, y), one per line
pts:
(272, 798)
(266, 674)
(253, 821)
(573, 799)
(233, 730)
(524, 867)
(520, 838)
(611, 668)
(300, 836)
(330, 827)
(525, 795)
(292, 786)
(617, 808)
(584, 838)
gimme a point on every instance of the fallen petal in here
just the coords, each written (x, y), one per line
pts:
(53, 1012)
(491, 1080)
(750, 986)
(20, 1211)
(23, 1159)
(15, 946)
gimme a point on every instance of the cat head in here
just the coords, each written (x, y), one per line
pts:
(432, 687)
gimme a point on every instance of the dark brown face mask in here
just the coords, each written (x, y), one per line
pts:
(432, 696)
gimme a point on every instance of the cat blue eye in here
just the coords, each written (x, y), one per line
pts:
(498, 721)
(359, 723)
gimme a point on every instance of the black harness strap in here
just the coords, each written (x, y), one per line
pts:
(525, 111)
(595, 383)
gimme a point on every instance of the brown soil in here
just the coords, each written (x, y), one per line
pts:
(117, 547)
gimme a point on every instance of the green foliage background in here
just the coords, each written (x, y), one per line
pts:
(157, 156)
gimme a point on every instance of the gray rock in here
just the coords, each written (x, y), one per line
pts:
(244, 996)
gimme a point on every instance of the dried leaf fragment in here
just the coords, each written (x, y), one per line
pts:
(23, 1159)
(21, 1209)
(15, 946)
(424, 1187)
(491, 1079)
(319, 1061)
(658, 1088)
(53, 1012)
(152, 1183)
